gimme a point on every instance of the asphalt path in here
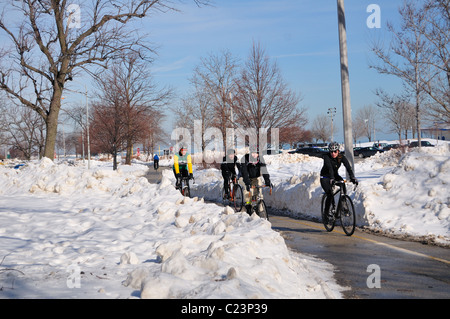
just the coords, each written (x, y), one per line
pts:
(370, 266)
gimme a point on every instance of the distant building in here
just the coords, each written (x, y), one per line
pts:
(439, 131)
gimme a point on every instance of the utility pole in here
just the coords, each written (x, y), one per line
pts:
(332, 112)
(87, 129)
(345, 84)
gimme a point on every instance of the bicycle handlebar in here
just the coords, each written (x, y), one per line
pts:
(263, 186)
(342, 182)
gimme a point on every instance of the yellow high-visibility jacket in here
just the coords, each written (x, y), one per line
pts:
(182, 162)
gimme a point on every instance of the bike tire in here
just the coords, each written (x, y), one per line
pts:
(186, 192)
(225, 201)
(262, 210)
(347, 216)
(329, 224)
(238, 197)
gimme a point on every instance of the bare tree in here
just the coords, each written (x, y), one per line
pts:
(53, 44)
(77, 115)
(366, 119)
(107, 129)
(127, 89)
(214, 80)
(398, 112)
(263, 98)
(420, 53)
(321, 128)
(437, 33)
(155, 132)
(294, 134)
(23, 129)
(197, 114)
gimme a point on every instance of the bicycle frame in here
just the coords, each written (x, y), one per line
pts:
(344, 210)
(185, 184)
(257, 198)
(341, 189)
(235, 195)
(231, 183)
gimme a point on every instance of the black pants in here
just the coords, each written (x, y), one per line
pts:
(156, 164)
(184, 173)
(226, 176)
(325, 182)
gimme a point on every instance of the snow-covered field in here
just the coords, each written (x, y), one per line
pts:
(70, 232)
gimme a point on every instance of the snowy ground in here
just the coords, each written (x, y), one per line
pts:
(69, 232)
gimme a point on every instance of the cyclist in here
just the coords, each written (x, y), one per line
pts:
(156, 161)
(252, 167)
(182, 166)
(228, 167)
(329, 172)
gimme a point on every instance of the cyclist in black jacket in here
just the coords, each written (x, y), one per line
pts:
(252, 167)
(329, 173)
(228, 167)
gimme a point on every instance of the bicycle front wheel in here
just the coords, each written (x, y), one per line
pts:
(225, 200)
(186, 192)
(347, 215)
(262, 210)
(327, 219)
(238, 197)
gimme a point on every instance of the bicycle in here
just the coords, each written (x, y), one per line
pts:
(235, 196)
(258, 205)
(184, 186)
(345, 210)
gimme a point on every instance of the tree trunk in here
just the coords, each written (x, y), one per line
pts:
(51, 123)
(129, 152)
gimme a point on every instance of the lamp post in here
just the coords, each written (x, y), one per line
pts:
(87, 122)
(332, 112)
(87, 129)
(345, 86)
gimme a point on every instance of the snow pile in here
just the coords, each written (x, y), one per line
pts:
(402, 194)
(69, 232)
(413, 198)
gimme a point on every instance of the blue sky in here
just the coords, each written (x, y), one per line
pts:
(300, 35)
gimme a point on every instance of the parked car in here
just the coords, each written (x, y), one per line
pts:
(311, 151)
(391, 146)
(366, 151)
(380, 145)
(423, 143)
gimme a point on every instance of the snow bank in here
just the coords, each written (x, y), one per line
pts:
(70, 232)
(403, 194)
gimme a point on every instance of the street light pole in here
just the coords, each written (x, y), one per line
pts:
(345, 84)
(87, 129)
(87, 124)
(332, 112)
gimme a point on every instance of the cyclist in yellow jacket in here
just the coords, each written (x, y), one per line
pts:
(182, 166)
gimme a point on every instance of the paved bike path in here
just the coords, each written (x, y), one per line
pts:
(403, 269)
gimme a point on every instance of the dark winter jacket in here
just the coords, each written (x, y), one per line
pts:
(254, 167)
(331, 166)
(228, 167)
